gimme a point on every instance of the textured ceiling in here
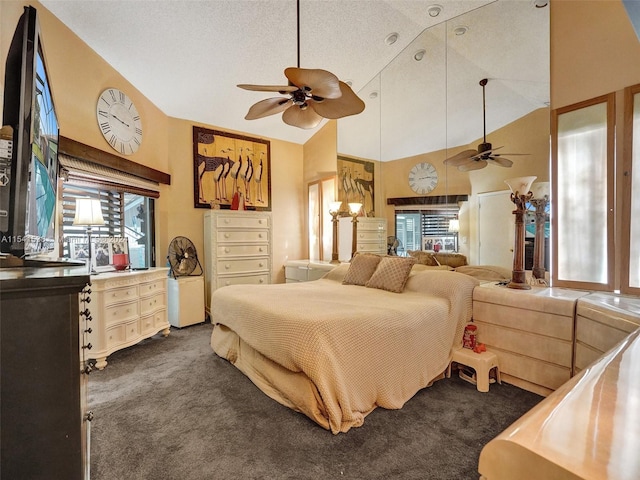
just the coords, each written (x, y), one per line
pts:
(188, 56)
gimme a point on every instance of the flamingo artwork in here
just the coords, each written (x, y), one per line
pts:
(257, 177)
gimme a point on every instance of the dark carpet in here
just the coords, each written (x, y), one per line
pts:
(169, 408)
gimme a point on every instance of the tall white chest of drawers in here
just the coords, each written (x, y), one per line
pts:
(371, 236)
(237, 249)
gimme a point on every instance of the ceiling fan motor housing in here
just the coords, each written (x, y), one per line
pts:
(483, 147)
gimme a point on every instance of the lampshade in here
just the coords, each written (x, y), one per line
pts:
(334, 206)
(520, 185)
(354, 208)
(540, 189)
(88, 212)
(454, 225)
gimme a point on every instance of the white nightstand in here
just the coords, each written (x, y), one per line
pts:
(306, 270)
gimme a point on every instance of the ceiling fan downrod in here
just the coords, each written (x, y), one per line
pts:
(484, 146)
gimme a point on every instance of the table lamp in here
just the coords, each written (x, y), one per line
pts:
(88, 213)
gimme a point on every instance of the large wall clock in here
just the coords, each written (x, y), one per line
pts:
(423, 178)
(119, 121)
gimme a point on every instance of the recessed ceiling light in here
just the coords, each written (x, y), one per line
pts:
(460, 30)
(391, 38)
(373, 95)
(434, 10)
(419, 55)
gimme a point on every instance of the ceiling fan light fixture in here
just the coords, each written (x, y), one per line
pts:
(419, 55)
(391, 38)
(434, 10)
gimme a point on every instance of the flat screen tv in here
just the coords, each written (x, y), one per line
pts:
(28, 195)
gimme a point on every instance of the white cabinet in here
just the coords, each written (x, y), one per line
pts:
(306, 270)
(186, 301)
(371, 236)
(237, 249)
(126, 307)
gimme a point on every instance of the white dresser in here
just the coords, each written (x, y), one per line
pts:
(126, 307)
(237, 249)
(371, 236)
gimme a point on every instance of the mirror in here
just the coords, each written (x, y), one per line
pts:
(432, 108)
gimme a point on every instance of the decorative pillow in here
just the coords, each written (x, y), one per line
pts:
(361, 268)
(424, 258)
(391, 274)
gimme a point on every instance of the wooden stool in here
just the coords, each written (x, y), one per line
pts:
(482, 363)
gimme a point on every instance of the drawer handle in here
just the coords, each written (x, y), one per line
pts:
(261, 264)
(259, 235)
(227, 266)
(227, 283)
(261, 280)
(260, 249)
(227, 250)
(226, 235)
(260, 221)
(226, 220)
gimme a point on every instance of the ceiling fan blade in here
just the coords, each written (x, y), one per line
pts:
(475, 165)
(297, 117)
(461, 158)
(322, 83)
(348, 104)
(267, 107)
(499, 154)
(503, 162)
(269, 88)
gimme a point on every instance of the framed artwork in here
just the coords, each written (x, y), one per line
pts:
(444, 243)
(78, 248)
(231, 169)
(355, 183)
(103, 251)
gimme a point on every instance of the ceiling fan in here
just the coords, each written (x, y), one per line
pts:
(476, 159)
(313, 94)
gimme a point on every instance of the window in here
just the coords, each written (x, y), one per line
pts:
(321, 193)
(125, 214)
(631, 192)
(425, 230)
(127, 205)
(583, 205)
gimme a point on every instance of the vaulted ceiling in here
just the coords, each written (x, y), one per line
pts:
(188, 56)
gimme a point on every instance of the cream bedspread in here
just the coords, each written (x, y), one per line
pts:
(335, 352)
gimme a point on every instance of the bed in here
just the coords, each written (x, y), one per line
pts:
(336, 351)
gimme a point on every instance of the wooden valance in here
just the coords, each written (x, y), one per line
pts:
(76, 149)
(432, 200)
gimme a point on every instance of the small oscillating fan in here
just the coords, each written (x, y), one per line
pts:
(183, 258)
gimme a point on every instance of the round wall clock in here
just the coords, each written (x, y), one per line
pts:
(119, 121)
(423, 178)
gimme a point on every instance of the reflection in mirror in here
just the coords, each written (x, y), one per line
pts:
(431, 107)
(363, 138)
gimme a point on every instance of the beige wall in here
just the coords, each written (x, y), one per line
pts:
(79, 75)
(594, 50)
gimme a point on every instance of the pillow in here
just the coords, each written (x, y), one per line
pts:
(424, 258)
(418, 267)
(452, 259)
(361, 268)
(391, 274)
